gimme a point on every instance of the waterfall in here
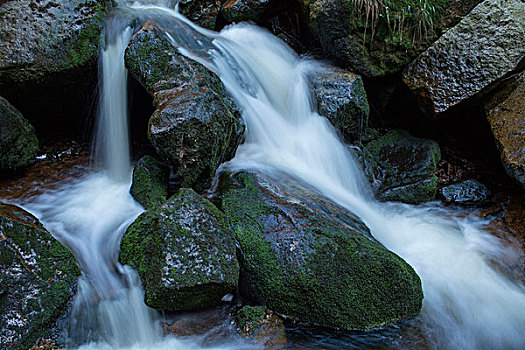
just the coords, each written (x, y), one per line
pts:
(468, 304)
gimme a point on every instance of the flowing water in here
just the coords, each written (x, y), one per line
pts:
(467, 305)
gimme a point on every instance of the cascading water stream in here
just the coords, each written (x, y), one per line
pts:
(468, 304)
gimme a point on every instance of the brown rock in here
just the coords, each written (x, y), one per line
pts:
(507, 121)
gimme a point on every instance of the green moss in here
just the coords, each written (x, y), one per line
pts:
(336, 276)
(250, 317)
(201, 267)
(150, 182)
(83, 49)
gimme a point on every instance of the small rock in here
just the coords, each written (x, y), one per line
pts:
(469, 192)
(244, 10)
(263, 325)
(405, 166)
(18, 142)
(150, 182)
(341, 98)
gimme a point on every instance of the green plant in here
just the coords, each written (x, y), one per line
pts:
(398, 20)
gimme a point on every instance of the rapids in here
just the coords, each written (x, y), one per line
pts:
(468, 304)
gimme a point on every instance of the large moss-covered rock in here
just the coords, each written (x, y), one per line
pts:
(468, 59)
(196, 125)
(43, 37)
(306, 258)
(18, 142)
(376, 38)
(37, 279)
(150, 182)
(244, 10)
(341, 98)
(405, 166)
(507, 121)
(184, 252)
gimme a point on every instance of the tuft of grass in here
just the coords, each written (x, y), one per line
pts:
(398, 20)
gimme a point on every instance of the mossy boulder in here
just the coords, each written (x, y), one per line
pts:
(196, 125)
(150, 182)
(341, 98)
(37, 279)
(469, 59)
(18, 142)
(377, 38)
(308, 259)
(244, 10)
(42, 38)
(184, 252)
(405, 166)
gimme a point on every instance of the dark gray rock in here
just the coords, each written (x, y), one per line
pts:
(202, 12)
(18, 142)
(150, 182)
(341, 98)
(309, 259)
(196, 125)
(184, 252)
(244, 10)
(37, 277)
(39, 38)
(469, 192)
(405, 166)
(484, 47)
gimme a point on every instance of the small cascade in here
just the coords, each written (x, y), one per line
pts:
(468, 304)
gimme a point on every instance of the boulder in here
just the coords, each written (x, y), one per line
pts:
(184, 252)
(244, 10)
(470, 58)
(150, 182)
(18, 142)
(377, 38)
(37, 279)
(202, 12)
(469, 192)
(405, 166)
(507, 121)
(304, 257)
(341, 98)
(48, 59)
(196, 125)
(46, 37)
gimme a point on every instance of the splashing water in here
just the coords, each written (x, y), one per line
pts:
(467, 305)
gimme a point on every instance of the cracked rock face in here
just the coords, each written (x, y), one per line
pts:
(484, 47)
(37, 279)
(184, 252)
